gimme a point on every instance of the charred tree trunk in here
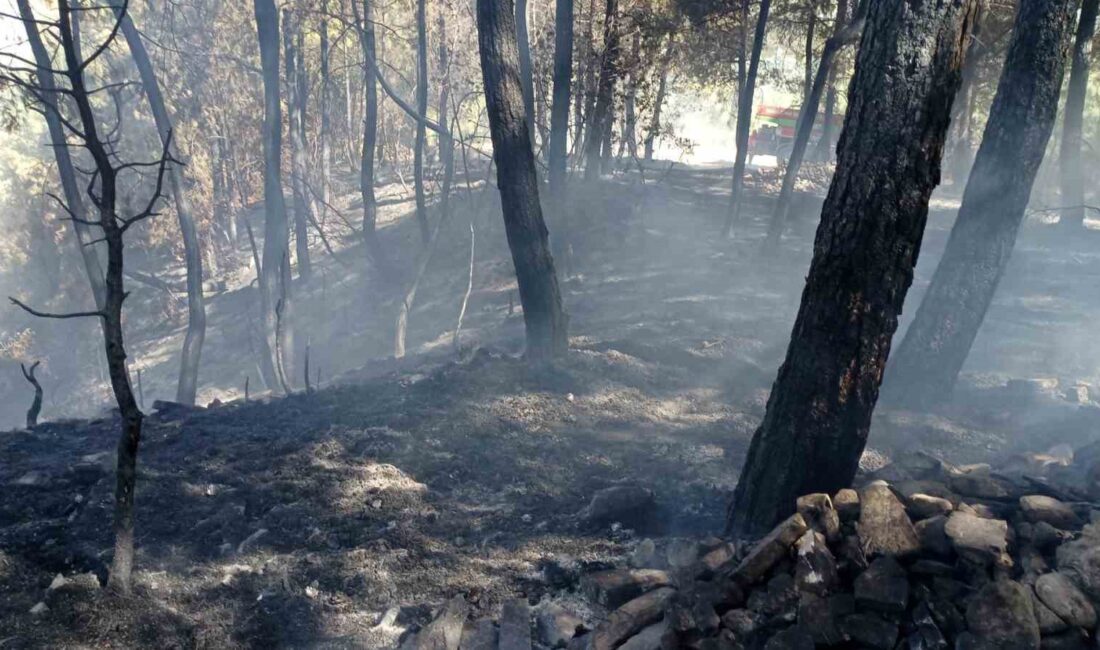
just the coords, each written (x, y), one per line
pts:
(960, 155)
(808, 54)
(296, 101)
(586, 99)
(1021, 119)
(654, 130)
(806, 119)
(526, 73)
(422, 110)
(36, 405)
(630, 116)
(563, 81)
(543, 315)
(370, 133)
(191, 356)
(819, 412)
(275, 271)
(65, 170)
(326, 113)
(1072, 171)
(602, 115)
(744, 117)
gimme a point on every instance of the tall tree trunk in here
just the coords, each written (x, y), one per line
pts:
(526, 74)
(819, 412)
(1020, 122)
(191, 356)
(600, 120)
(630, 117)
(654, 130)
(275, 271)
(546, 321)
(370, 132)
(960, 155)
(586, 100)
(808, 54)
(65, 170)
(1072, 171)
(422, 110)
(744, 117)
(806, 119)
(563, 81)
(326, 113)
(296, 100)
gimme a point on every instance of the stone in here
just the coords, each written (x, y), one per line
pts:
(923, 506)
(682, 553)
(821, 616)
(713, 561)
(883, 587)
(819, 513)
(31, 479)
(984, 541)
(770, 550)
(1079, 560)
(742, 622)
(931, 568)
(883, 526)
(39, 609)
(1064, 598)
(631, 618)
(515, 625)
(850, 554)
(645, 555)
(1046, 537)
(650, 638)
(617, 586)
(815, 567)
(250, 542)
(556, 626)
(982, 485)
(1001, 615)
(632, 506)
(1038, 508)
(445, 632)
(795, 637)
(926, 633)
(778, 601)
(1049, 622)
(870, 630)
(1069, 640)
(846, 503)
(480, 635)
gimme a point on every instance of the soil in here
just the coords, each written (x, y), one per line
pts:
(391, 486)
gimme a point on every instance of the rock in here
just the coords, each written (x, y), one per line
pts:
(850, 554)
(682, 553)
(981, 485)
(1064, 598)
(821, 616)
(480, 635)
(1069, 640)
(819, 513)
(795, 637)
(980, 540)
(742, 622)
(515, 625)
(926, 634)
(691, 613)
(770, 550)
(651, 638)
(1079, 560)
(251, 541)
(1048, 621)
(1037, 508)
(815, 567)
(870, 630)
(923, 506)
(58, 582)
(931, 568)
(715, 559)
(1046, 537)
(39, 609)
(31, 479)
(617, 586)
(846, 503)
(630, 619)
(556, 626)
(883, 587)
(1001, 616)
(630, 505)
(883, 527)
(445, 631)
(644, 555)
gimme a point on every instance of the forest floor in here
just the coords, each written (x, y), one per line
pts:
(303, 521)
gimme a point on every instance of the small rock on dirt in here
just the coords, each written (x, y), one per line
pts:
(883, 587)
(923, 506)
(630, 505)
(846, 503)
(769, 550)
(1080, 561)
(1001, 616)
(1038, 508)
(1064, 598)
(819, 513)
(980, 540)
(515, 625)
(883, 527)
(556, 626)
(617, 586)
(630, 619)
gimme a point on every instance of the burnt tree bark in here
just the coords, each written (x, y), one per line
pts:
(960, 155)
(365, 29)
(744, 116)
(526, 75)
(563, 82)
(545, 320)
(1020, 122)
(824, 150)
(296, 109)
(1072, 172)
(602, 114)
(842, 36)
(422, 110)
(326, 112)
(274, 275)
(819, 412)
(191, 356)
(653, 131)
(36, 404)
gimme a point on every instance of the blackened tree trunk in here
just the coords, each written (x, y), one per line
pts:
(808, 53)
(1021, 119)
(602, 114)
(274, 274)
(819, 412)
(526, 74)
(422, 110)
(653, 131)
(370, 132)
(1072, 172)
(326, 113)
(296, 107)
(563, 82)
(960, 154)
(629, 139)
(841, 37)
(36, 404)
(191, 356)
(744, 116)
(65, 170)
(586, 99)
(543, 315)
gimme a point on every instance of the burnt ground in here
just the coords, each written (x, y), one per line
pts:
(301, 521)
